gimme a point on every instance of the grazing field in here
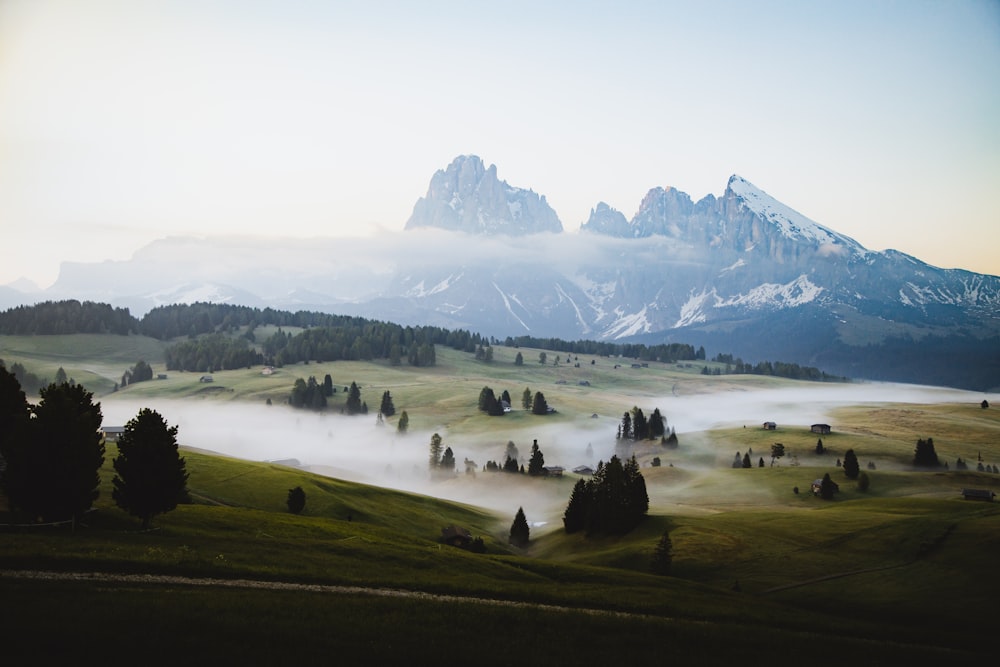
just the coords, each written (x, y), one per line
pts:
(901, 571)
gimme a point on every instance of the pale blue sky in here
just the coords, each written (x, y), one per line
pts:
(124, 121)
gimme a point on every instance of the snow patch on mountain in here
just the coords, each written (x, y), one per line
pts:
(506, 303)
(584, 327)
(418, 290)
(628, 324)
(693, 311)
(772, 295)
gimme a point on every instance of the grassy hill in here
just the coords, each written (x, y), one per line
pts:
(900, 572)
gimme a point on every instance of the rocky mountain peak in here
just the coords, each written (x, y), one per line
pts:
(469, 197)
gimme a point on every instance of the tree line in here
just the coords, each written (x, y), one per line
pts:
(665, 352)
(774, 368)
(67, 317)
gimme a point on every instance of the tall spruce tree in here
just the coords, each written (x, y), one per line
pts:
(435, 454)
(15, 479)
(851, 465)
(150, 475)
(296, 500)
(575, 518)
(387, 408)
(539, 406)
(536, 464)
(404, 423)
(526, 398)
(924, 454)
(353, 404)
(519, 531)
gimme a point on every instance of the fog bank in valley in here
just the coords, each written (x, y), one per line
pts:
(354, 448)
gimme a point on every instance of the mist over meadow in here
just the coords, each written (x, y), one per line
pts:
(356, 449)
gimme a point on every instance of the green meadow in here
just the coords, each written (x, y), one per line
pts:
(760, 573)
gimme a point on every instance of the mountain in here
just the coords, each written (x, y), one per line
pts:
(468, 197)
(741, 273)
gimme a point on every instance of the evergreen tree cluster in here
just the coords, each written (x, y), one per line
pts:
(211, 353)
(308, 394)
(490, 404)
(773, 368)
(53, 450)
(924, 455)
(67, 317)
(666, 352)
(612, 502)
(28, 381)
(141, 372)
(635, 425)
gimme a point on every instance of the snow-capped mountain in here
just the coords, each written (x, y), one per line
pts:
(740, 273)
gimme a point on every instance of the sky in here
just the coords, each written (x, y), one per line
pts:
(125, 121)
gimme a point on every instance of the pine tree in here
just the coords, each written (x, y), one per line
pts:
(526, 398)
(575, 517)
(296, 500)
(150, 475)
(663, 555)
(519, 532)
(657, 425)
(353, 404)
(924, 454)
(827, 488)
(536, 464)
(539, 406)
(640, 427)
(435, 455)
(387, 408)
(447, 460)
(746, 461)
(404, 423)
(851, 465)
(625, 428)
(518, 360)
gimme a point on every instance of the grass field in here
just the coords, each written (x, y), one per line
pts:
(902, 572)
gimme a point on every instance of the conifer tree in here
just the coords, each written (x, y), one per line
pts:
(539, 406)
(924, 454)
(435, 455)
(519, 531)
(575, 517)
(663, 555)
(387, 408)
(404, 423)
(536, 464)
(296, 500)
(150, 475)
(353, 404)
(447, 460)
(526, 398)
(851, 465)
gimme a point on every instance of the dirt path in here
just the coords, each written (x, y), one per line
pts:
(171, 580)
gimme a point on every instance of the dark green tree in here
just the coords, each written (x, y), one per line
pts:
(640, 426)
(819, 446)
(746, 461)
(851, 465)
(526, 398)
(140, 372)
(539, 406)
(536, 464)
(510, 465)
(625, 428)
(353, 404)
(657, 425)
(447, 462)
(64, 455)
(296, 500)
(387, 408)
(663, 555)
(542, 357)
(327, 388)
(61, 377)
(827, 488)
(518, 360)
(924, 454)
(575, 518)
(404, 422)
(435, 455)
(519, 531)
(15, 449)
(150, 475)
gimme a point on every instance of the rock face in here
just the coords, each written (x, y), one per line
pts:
(468, 197)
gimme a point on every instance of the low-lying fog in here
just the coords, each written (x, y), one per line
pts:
(354, 448)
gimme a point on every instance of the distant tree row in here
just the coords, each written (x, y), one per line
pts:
(138, 373)
(30, 382)
(635, 426)
(353, 343)
(212, 353)
(774, 368)
(613, 501)
(67, 317)
(665, 352)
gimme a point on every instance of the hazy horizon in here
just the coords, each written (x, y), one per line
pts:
(126, 122)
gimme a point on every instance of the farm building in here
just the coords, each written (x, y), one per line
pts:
(978, 494)
(769, 426)
(112, 433)
(822, 429)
